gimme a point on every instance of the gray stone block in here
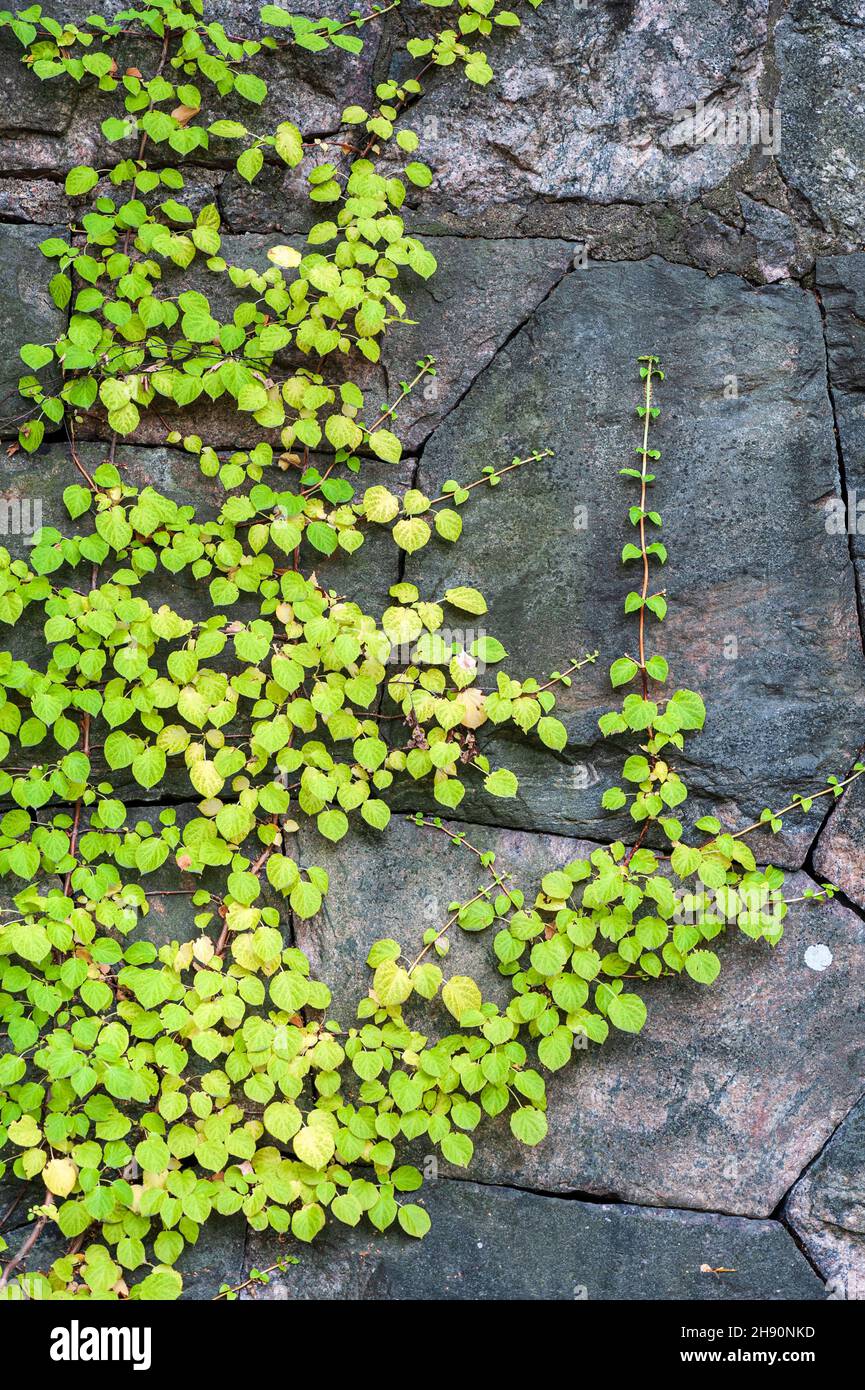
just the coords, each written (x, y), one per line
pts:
(762, 616)
(491, 1243)
(820, 48)
(826, 1209)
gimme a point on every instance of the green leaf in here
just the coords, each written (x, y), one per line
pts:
(457, 1149)
(80, 180)
(552, 733)
(688, 708)
(702, 966)
(77, 499)
(502, 782)
(314, 1146)
(419, 174)
(623, 670)
(307, 1222)
(305, 899)
(332, 824)
(685, 860)
(466, 599)
(627, 1012)
(113, 527)
(411, 534)
(385, 446)
(529, 1125)
(36, 356)
(414, 1220)
(250, 162)
(149, 767)
(448, 524)
(288, 143)
(460, 995)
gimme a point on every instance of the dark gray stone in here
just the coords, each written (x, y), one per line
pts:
(826, 1209)
(752, 572)
(840, 851)
(490, 1243)
(215, 1259)
(820, 48)
(28, 314)
(593, 109)
(839, 854)
(841, 285)
(687, 1114)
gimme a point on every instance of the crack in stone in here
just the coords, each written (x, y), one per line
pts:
(842, 469)
(780, 1212)
(613, 1200)
(505, 343)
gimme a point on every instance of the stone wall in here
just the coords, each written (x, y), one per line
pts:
(580, 218)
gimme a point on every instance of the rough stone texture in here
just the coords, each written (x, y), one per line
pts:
(826, 1209)
(840, 851)
(839, 854)
(821, 45)
(684, 1115)
(492, 1243)
(596, 110)
(483, 293)
(751, 570)
(27, 314)
(841, 284)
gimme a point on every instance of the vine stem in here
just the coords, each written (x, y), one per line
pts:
(75, 459)
(247, 1283)
(797, 805)
(499, 473)
(73, 839)
(458, 839)
(644, 593)
(28, 1244)
(428, 365)
(587, 660)
(16, 1201)
(645, 589)
(254, 869)
(484, 893)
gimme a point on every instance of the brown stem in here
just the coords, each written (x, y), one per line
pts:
(27, 1246)
(485, 892)
(16, 1201)
(574, 666)
(256, 868)
(795, 805)
(73, 839)
(645, 589)
(499, 473)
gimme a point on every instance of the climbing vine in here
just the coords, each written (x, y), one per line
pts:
(147, 1086)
